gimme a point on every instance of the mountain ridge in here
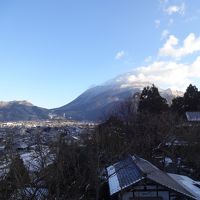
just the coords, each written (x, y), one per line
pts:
(93, 104)
(21, 111)
(97, 102)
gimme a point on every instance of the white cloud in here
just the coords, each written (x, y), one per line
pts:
(157, 23)
(194, 70)
(164, 34)
(166, 74)
(176, 9)
(119, 55)
(191, 44)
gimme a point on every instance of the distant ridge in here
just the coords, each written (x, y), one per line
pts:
(21, 111)
(9, 103)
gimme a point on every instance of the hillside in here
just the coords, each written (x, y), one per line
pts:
(21, 110)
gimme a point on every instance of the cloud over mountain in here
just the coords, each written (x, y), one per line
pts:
(168, 73)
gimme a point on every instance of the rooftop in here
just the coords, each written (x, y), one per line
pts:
(132, 170)
(193, 116)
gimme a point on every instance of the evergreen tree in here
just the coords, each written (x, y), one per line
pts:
(189, 102)
(18, 175)
(191, 98)
(178, 105)
(151, 101)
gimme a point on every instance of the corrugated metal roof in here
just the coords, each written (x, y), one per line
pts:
(160, 177)
(133, 169)
(188, 183)
(193, 116)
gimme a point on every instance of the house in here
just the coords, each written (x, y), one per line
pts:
(193, 116)
(137, 179)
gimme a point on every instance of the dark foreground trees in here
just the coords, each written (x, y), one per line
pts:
(151, 101)
(17, 177)
(154, 132)
(189, 102)
(72, 175)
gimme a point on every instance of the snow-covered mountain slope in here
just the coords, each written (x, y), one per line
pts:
(95, 103)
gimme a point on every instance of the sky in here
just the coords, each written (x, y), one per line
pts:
(53, 50)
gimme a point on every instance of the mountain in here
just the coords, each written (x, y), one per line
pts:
(21, 111)
(93, 104)
(97, 102)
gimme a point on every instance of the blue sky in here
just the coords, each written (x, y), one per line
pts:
(51, 51)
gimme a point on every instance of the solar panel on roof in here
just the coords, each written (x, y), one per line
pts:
(127, 172)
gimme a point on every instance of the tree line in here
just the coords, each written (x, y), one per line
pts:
(151, 101)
